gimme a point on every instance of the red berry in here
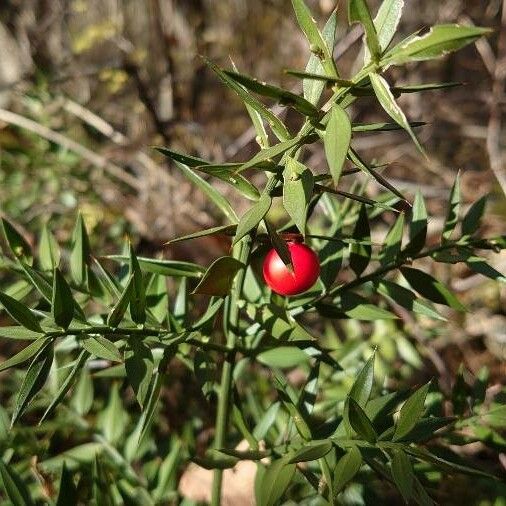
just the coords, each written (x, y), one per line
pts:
(306, 269)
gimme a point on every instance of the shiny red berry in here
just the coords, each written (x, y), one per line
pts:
(282, 280)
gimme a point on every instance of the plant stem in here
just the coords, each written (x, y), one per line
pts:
(231, 319)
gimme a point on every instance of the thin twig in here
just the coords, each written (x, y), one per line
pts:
(95, 159)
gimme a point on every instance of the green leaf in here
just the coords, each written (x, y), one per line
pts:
(359, 421)
(357, 307)
(67, 495)
(439, 41)
(139, 368)
(216, 198)
(25, 354)
(222, 229)
(382, 127)
(393, 242)
(297, 192)
(118, 311)
(481, 266)
(18, 245)
(138, 293)
(472, 220)
(66, 384)
(360, 253)
(39, 281)
(16, 491)
(283, 357)
(411, 411)
(80, 252)
(273, 152)
(452, 216)
(174, 268)
(63, 303)
(431, 288)
(113, 418)
(271, 484)
(402, 473)
(34, 380)
(313, 450)
(407, 299)
(279, 244)
(317, 42)
(101, 347)
(230, 176)
(362, 387)
(211, 311)
(387, 101)
(417, 227)
(82, 398)
(387, 20)
(252, 217)
(157, 299)
(346, 469)
(284, 97)
(314, 88)
(219, 277)
(19, 312)
(273, 121)
(49, 251)
(148, 413)
(337, 140)
(358, 12)
(21, 333)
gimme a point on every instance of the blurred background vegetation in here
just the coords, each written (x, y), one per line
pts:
(87, 87)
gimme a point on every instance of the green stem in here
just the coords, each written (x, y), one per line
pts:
(231, 320)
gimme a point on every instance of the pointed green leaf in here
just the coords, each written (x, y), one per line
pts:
(174, 268)
(230, 176)
(431, 288)
(139, 368)
(387, 20)
(311, 451)
(49, 251)
(67, 494)
(297, 192)
(417, 227)
(34, 380)
(273, 121)
(439, 41)
(16, 491)
(20, 313)
(279, 244)
(271, 484)
(393, 242)
(411, 411)
(387, 101)
(337, 140)
(252, 217)
(25, 354)
(407, 299)
(356, 306)
(21, 333)
(358, 12)
(472, 220)
(67, 384)
(63, 303)
(360, 253)
(283, 357)
(101, 347)
(222, 229)
(402, 473)
(157, 299)
(314, 88)
(82, 398)
(452, 216)
(80, 252)
(216, 198)
(362, 387)
(138, 294)
(118, 311)
(317, 42)
(18, 245)
(284, 97)
(346, 469)
(219, 277)
(359, 421)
